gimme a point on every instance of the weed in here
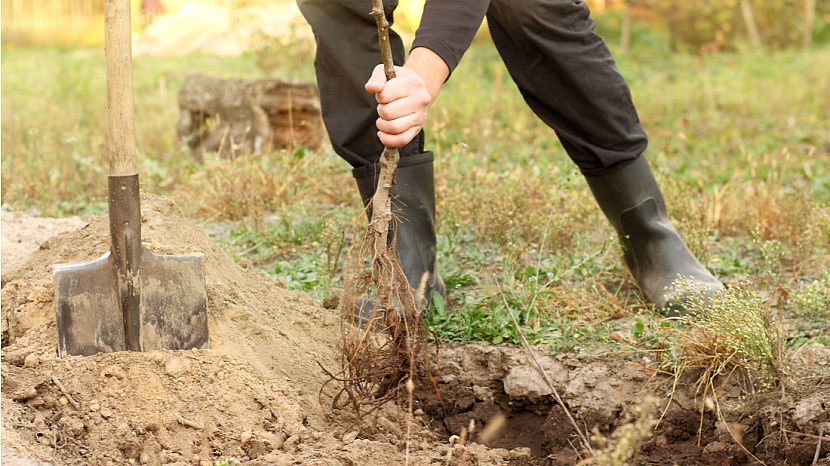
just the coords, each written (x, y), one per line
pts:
(552, 303)
(772, 251)
(458, 255)
(624, 444)
(688, 209)
(308, 252)
(313, 272)
(660, 336)
(733, 258)
(812, 301)
(734, 326)
(250, 186)
(823, 224)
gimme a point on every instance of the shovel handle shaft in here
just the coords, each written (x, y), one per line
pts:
(119, 58)
(124, 199)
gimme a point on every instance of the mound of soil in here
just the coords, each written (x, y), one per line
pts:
(255, 394)
(252, 396)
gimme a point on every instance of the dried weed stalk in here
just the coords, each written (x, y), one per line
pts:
(582, 437)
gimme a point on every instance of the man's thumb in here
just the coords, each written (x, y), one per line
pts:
(377, 80)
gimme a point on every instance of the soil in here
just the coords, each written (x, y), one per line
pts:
(255, 394)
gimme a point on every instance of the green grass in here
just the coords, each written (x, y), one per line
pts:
(739, 142)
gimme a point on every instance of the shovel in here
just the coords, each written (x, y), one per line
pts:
(129, 299)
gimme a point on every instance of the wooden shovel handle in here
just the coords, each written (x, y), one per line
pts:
(121, 109)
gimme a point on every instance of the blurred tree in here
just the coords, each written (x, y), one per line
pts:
(809, 24)
(709, 25)
(408, 14)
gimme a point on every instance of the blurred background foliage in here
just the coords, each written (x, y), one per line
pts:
(729, 24)
(689, 26)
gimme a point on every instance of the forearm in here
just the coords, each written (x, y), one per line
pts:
(431, 68)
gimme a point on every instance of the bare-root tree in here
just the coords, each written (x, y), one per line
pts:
(383, 337)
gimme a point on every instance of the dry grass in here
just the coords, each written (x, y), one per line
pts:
(733, 159)
(254, 185)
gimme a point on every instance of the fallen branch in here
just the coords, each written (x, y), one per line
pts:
(820, 435)
(189, 423)
(65, 392)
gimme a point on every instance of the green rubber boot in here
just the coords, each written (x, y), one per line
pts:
(653, 250)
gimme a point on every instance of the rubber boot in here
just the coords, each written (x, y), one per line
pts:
(413, 205)
(653, 250)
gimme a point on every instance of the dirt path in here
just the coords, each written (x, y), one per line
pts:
(22, 235)
(255, 394)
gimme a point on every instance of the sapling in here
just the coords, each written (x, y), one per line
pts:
(383, 335)
(384, 264)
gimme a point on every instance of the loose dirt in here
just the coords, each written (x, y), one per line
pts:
(255, 394)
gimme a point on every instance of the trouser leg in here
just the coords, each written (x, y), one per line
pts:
(568, 77)
(347, 52)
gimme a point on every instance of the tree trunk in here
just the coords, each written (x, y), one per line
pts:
(809, 20)
(625, 39)
(752, 29)
(231, 115)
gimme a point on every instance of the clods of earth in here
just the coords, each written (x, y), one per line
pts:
(255, 395)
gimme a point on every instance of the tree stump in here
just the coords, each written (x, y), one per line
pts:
(239, 114)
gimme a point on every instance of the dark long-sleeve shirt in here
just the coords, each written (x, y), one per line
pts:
(449, 26)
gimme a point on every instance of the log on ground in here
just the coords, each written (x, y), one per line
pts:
(248, 114)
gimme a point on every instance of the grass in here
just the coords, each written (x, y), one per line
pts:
(739, 142)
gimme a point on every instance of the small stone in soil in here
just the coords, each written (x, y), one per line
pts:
(331, 302)
(349, 438)
(177, 367)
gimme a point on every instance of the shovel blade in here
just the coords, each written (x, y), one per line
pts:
(88, 308)
(173, 305)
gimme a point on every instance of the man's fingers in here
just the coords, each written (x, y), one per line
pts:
(402, 105)
(396, 109)
(400, 125)
(398, 140)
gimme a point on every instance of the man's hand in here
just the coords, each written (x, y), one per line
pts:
(403, 102)
(402, 105)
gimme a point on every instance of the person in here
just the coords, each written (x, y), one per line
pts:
(566, 75)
